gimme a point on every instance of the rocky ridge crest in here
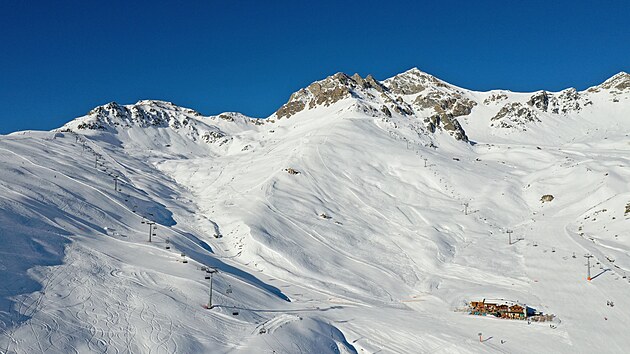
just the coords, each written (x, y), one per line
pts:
(113, 117)
(412, 94)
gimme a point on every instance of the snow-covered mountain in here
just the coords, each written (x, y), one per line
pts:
(361, 216)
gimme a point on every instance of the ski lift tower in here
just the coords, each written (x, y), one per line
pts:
(211, 271)
(588, 266)
(150, 223)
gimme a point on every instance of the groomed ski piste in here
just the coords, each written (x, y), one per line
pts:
(376, 242)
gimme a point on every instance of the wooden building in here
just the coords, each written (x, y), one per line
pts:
(502, 310)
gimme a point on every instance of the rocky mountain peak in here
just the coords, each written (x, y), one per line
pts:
(412, 81)
(144, 113)
(620, 82)
(113, 117)
(329, 91)
(433, 100)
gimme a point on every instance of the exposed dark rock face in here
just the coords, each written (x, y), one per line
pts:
(448, 123)
(447, 106)
(114, 117)
(329, 91)
(565, 102)
(546, 198)
(412, 82)
(540, 100)
(495, 98)
(290, 108)
(619, 82)
(415, 94)
(324, 92)
(142, 114)
(443, 102)
(454, 104)
(514, 114)
(386, 111)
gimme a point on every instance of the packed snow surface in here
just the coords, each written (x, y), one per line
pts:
(338, 229)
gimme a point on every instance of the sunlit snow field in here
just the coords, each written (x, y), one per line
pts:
(376, 245)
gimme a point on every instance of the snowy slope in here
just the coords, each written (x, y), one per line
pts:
(394, 218)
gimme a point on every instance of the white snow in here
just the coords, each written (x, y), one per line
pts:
(387, 269)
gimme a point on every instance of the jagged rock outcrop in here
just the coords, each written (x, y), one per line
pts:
(566, 101)
(454, 104)
(413, 81)
(329, 91)
(439, 102)
(518, 114)
(114, 117)
(324, 92)
(412, 94)
(412, 100)
(445, 107)
(513, 115)
(142, 114)
(619, 82)
(540, 100)
(448, 123)
(546, 198)
(495, 98)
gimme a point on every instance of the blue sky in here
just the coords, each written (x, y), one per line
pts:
(61, 58)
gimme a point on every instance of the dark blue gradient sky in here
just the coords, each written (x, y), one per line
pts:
(61, 58)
